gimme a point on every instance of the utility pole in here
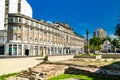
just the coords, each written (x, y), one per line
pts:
(119, 18)
(87, 33)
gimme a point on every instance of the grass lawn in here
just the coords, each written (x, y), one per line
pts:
(91, 54)
(82, 77)
(3, 77)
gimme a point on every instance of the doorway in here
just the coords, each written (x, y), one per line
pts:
(27, 52)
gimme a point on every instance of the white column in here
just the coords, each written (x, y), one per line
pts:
(46, 50)
(12, 50)
(6, 49)
(17, 50)
(38, 50)
(22, 50)
(65, 51)
(56, 50)
(61, 50)
(33, 51)
(68, 51)
(50, 50)
(53, 50)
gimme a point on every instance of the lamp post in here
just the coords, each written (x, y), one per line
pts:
(87, 33)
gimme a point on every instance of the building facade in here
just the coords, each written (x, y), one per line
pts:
(27, 36)
(100, 33)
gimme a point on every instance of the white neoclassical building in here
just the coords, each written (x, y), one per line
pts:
(22, 35)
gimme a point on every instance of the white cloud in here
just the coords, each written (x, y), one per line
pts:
(49, 21)
(113, 36)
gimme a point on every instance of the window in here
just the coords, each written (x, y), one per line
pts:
(10, 20)
(45, 33)
(26, 21)
(19, 28)
(3, 39)
(36, 40)
(14, 27)
(19, 36)
(32, 23)
(20, 20)
(40, 26)
(6, 3)
(40, 40)
(10, 28)
(15, 36)
(44, 27)
(49, 28)
(26, 38)
(26, 29)
(40, 31)
(37, 31)
(31, 29)
(37, 25)
(15, 19)
(31, 39)
(10, 36)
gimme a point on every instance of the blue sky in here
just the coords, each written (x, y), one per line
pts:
(80, 14)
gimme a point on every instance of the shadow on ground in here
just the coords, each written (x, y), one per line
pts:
(108, 72)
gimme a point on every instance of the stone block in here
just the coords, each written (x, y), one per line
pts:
(59, 57)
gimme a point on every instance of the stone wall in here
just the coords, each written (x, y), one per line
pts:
(111, 55)
(59, 57)
(42, 72)
(89, 56)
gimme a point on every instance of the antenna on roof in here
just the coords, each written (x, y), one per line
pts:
(119, 18)
(66, 22)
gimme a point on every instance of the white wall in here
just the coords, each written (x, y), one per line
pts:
(26, 8)
(13, 6)
(2, 14)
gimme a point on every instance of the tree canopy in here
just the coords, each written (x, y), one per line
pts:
(117, 30)
(115, 42)
(95, 43)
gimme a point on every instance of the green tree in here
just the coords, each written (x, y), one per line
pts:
(115, 42)
(117, 30)
(95, 43)
(107, 38)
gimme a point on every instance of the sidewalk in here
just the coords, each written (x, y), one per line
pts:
(12, 65)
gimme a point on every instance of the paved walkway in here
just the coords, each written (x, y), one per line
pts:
(12, 65)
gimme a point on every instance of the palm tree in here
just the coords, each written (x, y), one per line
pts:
(95, 43)
(117, 32)
(115, 44)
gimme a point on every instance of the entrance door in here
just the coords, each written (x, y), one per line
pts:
(27, 52)
(10, 49)
(2, 50)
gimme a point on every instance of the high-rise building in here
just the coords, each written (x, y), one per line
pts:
(100, 33)
(13, 6)
(2, 14)
(22, 35)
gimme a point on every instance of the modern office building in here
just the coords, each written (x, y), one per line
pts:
(24, 35)
(100, 33)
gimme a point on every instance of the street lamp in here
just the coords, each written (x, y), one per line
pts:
(87, 33)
